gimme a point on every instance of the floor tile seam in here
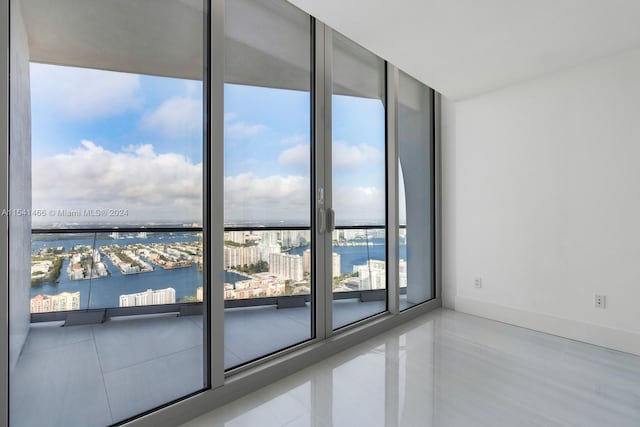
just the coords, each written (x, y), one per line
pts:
(486, 346)
(296, 419)
(606, 364)
(56, 347)
(576, 395)
(524, 360)
(468, 337)
(104, 383)
(518, 404)
(232, 352)
(568, 340)
(195, 321)
(456, 407)
(532, 371)
(163, 356)
(245, 405)
(301, 322)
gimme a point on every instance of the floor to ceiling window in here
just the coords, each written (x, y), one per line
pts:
(267, 186)
(358, 183)
(116, 286)
(416, 196)
(197, 188)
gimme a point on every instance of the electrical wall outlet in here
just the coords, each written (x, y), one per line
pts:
(599, 301)
(478, 282)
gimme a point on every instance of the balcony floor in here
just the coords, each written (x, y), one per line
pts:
(95, 375)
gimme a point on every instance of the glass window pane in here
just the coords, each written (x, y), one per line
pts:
(416, 196)
(267, 206)
(112, 141)
(359, 183)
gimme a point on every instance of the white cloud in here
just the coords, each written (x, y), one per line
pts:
(359, 205)
(344, 156)
(82, 93)
(168, 186)
(298, 156)
(287, 198)
(175, 117)
(240, 130)
(272, 198)
(295, 140)
(349, 156)
(152, 186)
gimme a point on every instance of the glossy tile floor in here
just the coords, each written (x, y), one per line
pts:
(95, 375)
(451, 369)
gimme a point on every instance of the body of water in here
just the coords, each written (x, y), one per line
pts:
(105, 292)
(357, 255)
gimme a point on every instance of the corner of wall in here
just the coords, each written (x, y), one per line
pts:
(448, 200)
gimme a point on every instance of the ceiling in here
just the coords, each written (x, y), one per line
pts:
(267, 42)
(461, 48)
(464, 48)
(160, 37)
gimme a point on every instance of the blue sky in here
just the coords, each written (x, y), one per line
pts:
(61, 107)
(102, 139)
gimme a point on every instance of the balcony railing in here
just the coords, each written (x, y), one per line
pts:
(88, 275)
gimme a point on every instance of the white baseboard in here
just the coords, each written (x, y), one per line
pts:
(603, 336)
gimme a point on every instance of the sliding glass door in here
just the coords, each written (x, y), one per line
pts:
(358, 180)
(268, 287)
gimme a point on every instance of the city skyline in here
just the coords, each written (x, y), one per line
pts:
(258, 264)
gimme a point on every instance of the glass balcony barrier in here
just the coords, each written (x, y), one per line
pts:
(151, 270)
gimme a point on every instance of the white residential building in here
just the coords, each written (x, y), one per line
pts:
(149, 297)
(286, 266)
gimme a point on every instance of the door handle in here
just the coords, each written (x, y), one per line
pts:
(322, 221)
(331, 220)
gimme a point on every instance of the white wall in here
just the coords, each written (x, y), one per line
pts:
(542, 200)
(19, 187)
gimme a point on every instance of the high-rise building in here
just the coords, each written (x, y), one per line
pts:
(266, 250)
(236, 236)
(402, 267)
(241, 255)
(372, 275)
(306, 261)
(286, 266)
(268, 238)
(232, 256)
(149, 297)
(335, 264)
(60, 302)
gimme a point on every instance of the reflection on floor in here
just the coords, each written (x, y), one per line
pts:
(293, 325)
(100, 374)
(451, 369)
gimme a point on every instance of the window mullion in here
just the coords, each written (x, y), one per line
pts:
(216, 186)
(393, 278)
